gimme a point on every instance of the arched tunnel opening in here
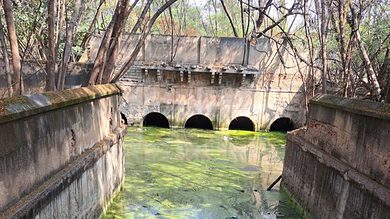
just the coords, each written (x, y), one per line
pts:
(283, 124)
(156, 120)
(124, 119)
(199, 122)
(242, 123)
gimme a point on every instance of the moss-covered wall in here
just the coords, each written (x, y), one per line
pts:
(50, 140)
(339, 165)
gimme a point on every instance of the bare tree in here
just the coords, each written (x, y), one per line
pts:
(98, 67)
(52, 51)
(108, 52)
(92, 26)
(323, 24)
(309, 39)
(141, 18)
(16, 63)
(225, 9)
(371, 75)
(70, 30)
(262, 11)
(111, 59)
(6, 59)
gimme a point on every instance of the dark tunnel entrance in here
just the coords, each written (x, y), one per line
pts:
(242, 123)
(156, 120)
(283, 124)
(199, 122)
(124, 119)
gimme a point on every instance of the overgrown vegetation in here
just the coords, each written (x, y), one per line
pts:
(347, 41)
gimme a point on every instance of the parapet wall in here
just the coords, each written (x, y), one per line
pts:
(339, 165)
(208, 51)
(61, 153)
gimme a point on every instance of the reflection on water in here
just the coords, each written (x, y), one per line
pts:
(201, 174)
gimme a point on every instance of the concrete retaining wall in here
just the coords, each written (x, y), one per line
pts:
(339, 165)
(208, 51)
(61, 153)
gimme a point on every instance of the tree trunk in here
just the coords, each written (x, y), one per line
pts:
(141, 41)
(91, 28)
(141, 17)
(16, 63)
(387, 94)
(172, 27)
(323, 29)
(215, 19)
(61, 22)
(113, 51)
(98, 66)
(51, 57)
(6, 59)
(225, 9)
(242, 18)
(375, 87)
(309, 39)
(371, 75)
(342, 45)
(100, 61)
(137, 25)
(262, 11)
(72, 26)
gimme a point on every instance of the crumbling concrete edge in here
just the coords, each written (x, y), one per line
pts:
(349, 174)
(361, 107)
(29, 205)
(19, 107)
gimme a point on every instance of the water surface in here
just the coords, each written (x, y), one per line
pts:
(189, 173)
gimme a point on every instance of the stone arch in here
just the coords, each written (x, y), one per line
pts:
(199, 122)
(156, 120)
(283, 124)
(242, 123)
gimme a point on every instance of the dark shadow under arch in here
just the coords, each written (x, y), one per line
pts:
(124, 119)
(199, 122)
(156, 120)
(242, 123)
(282, 124)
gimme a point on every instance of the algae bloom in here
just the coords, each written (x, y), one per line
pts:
(201, 174)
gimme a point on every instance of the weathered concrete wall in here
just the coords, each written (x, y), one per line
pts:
(61, 153)
(34, 77)
(208, 51)
(220, 103)
(339, 165)
(231, 78)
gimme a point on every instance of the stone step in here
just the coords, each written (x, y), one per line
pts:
(133, 75)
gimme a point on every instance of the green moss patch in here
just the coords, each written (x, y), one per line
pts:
(18, 107)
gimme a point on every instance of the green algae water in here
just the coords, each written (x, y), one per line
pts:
(190, 173)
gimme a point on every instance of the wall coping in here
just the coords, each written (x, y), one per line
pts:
(19, 107)
(362, 107)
